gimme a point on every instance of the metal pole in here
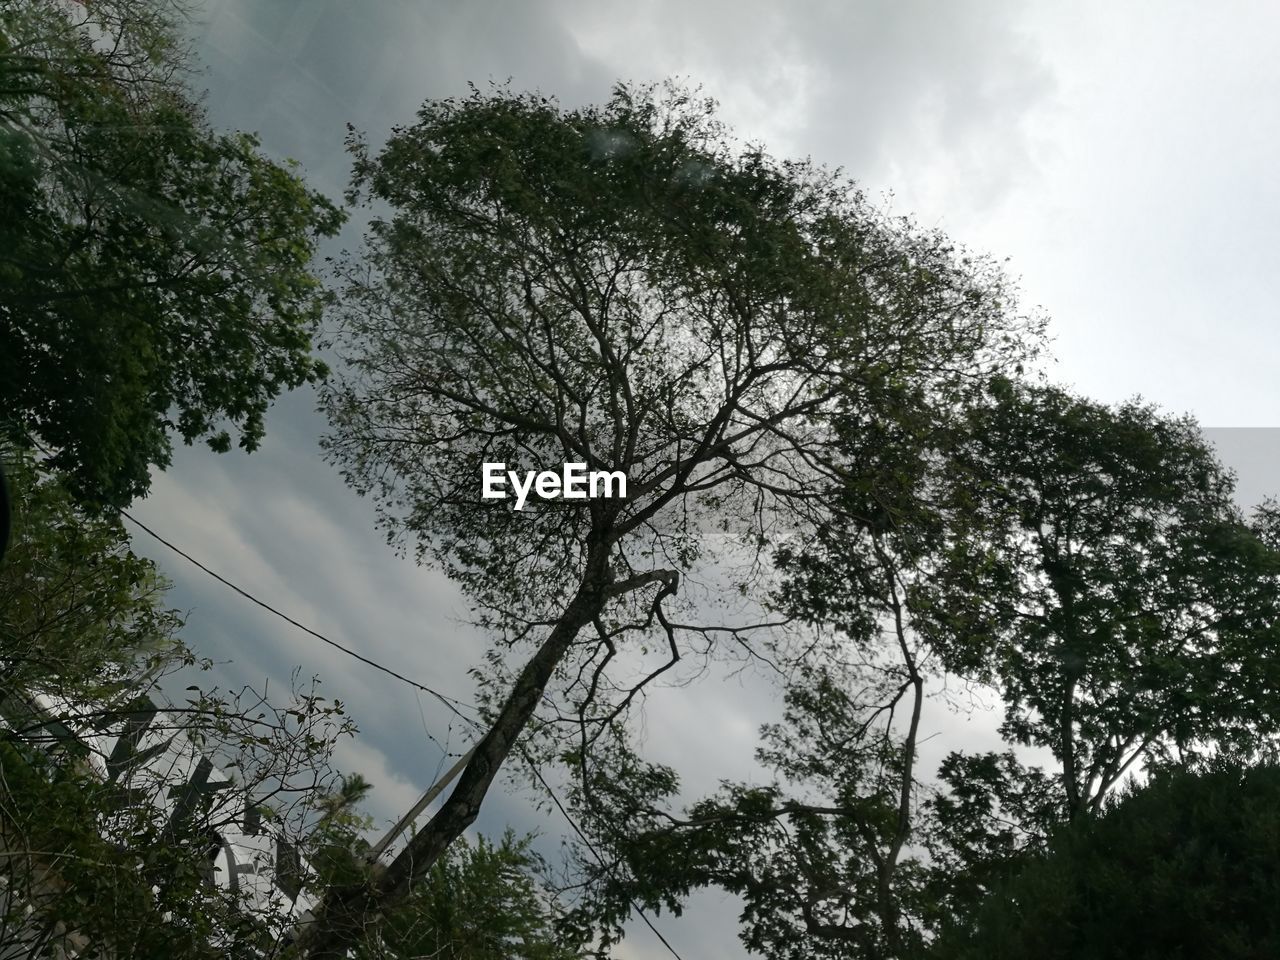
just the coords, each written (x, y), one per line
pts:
(433, 791)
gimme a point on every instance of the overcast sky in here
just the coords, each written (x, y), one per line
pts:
(1122, 157)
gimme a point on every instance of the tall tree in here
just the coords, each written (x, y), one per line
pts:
(154, 274)
(623, 287)
(1107, 584)
(824, 853)
(1085, 561)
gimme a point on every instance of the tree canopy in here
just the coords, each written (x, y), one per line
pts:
(622, 285)
(1084, 562)
(1105, 581)
(154, 274)
(1184, 866)
(838, 470)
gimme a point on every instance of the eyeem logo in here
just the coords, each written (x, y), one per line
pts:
(574, 482)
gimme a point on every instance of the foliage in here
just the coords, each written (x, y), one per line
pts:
(110, 827)
(481, 901)
(1085, 561)
(1104, 581)
(1182, 867)
(86, 891)
(335, 846)
(813, 854)
(824, 854)
(987, 812)
(621, 285)
(153, 273)
(617, 285)
(80, 613)
(119, 820)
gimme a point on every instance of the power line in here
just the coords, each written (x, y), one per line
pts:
(596, 853)
(450, 702)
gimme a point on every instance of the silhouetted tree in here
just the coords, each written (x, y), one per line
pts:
(619, 286)
(1085, 561)
(1185, 866)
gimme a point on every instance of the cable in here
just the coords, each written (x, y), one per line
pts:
(451, 703)
(596, 853)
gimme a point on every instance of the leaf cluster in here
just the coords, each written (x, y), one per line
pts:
(154, 275)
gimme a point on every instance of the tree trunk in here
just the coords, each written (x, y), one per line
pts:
(344, 916)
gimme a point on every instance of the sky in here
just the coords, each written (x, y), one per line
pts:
(1120, 157)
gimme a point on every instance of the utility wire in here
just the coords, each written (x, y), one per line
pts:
(596, 853)
(450, 702)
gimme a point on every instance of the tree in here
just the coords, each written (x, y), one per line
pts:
(818, 855)
(821, 854)
(81, 615)
(116, 807)
(1184, 866)
(617, 286)
(481, 901)
(1106, 584)
(1109, 587)
(154, 274)
(1085, 561)
(124, 826)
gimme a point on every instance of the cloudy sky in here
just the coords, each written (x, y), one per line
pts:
(1122, 158)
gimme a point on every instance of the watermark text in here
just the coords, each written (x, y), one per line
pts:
(573, 482)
